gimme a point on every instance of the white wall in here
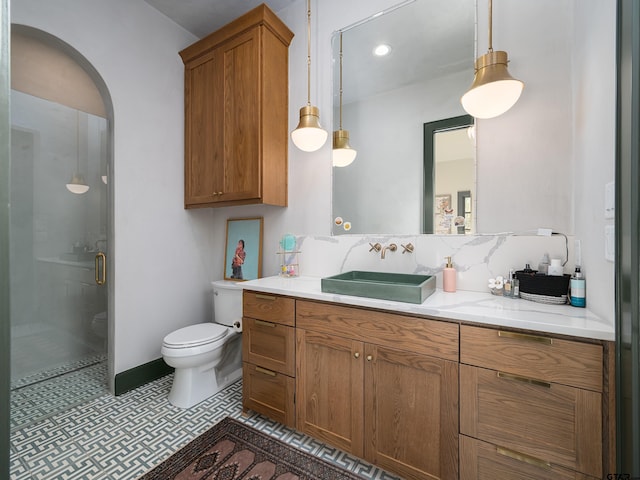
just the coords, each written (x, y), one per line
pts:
(166, 256)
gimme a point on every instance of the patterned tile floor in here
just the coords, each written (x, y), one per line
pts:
(122, 437)
(36, 401)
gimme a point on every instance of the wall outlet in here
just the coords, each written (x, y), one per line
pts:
(610, 200)
(610, 243)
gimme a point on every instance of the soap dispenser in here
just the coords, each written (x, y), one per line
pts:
(449, 277)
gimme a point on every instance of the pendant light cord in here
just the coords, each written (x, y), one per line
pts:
(490, 26)
(78, 142)
(309, 53)
(340, 128)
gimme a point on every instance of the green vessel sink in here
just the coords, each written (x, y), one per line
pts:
(399, 287)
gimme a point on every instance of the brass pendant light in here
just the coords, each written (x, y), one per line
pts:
(494, 90)
(309, 136)
(77, 184)
(342, 154)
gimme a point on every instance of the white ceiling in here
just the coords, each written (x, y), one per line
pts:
(201, 17)
(430, 38)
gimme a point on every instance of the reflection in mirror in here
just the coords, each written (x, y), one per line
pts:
(449, 175)
(386, 102)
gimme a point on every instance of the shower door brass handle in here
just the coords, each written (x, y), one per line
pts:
(101, 258)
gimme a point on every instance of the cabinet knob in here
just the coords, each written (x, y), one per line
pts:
(356, 355)
(369, 358)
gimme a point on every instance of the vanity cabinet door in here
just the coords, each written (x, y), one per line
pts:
(411, 413)
(329, 389)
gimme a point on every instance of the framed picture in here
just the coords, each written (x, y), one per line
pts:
(442, 203)
(243, 249)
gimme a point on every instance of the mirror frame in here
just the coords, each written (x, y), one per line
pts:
(430, 129)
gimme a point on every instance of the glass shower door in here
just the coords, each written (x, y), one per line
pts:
(58, 231)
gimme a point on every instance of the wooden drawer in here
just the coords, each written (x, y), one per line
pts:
(544, 358)
(429, 337)
(265, 306)
(552, 422)
(483, 461)
(269, 393)
(269, 345)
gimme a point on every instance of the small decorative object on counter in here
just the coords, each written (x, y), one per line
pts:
(449, 277)
(496, 285)
(508, 285)
(578, 289)
(289, 266)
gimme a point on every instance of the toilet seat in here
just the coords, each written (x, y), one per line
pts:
(195, 335)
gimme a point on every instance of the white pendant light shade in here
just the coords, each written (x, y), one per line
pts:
(309, 136)
(77, 185)
(494, 90)
(343, 154)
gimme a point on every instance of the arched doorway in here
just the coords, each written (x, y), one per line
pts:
(61, 156)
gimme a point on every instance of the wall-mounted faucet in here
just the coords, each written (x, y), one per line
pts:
(392, 246)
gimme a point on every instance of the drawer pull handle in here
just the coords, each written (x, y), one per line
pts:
(525, 337)
(523, 458)
(265, 371)
(265, 297)
(517, 378)
(265, 324)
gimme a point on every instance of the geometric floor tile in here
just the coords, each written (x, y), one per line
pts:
(121, 438)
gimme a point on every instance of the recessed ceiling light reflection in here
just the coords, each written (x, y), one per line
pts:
(382, 50)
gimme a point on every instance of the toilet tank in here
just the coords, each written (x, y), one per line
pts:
(227, 302)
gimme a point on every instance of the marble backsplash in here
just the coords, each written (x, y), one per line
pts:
(475, 257)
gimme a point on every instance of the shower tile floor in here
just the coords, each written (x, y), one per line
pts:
(123, 437)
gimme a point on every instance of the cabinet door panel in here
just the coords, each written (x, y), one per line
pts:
(329, 389)
(555, 423)
(483, 461)
(204, 168)
(241, 131)
(411, 413)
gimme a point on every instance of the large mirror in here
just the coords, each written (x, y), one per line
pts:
(391, 105)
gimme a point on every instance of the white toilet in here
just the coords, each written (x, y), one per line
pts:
(207, 356)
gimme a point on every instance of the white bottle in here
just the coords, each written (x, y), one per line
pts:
(555, 268)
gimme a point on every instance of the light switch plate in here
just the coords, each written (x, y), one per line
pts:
(609, 243)
(609, 200)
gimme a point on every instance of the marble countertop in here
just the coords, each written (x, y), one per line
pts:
(476, 307)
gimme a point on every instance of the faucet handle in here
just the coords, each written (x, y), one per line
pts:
(375, 246)
(407, 248)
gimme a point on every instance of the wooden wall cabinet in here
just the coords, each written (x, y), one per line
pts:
(374, 385)
(236, 113)
(268, 356)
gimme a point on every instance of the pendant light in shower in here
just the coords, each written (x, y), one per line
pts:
(342, 153)
(77, 184)
(309, 136)
(494, 90)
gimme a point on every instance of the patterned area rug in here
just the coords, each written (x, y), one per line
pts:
(232, 450)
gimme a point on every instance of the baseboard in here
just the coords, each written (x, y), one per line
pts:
(138, 376)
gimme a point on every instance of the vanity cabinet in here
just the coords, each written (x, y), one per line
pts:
(530, 405)
(381, 386)
(268, 355)
(236, 113)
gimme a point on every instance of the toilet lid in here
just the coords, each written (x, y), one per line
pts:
(195, 335)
